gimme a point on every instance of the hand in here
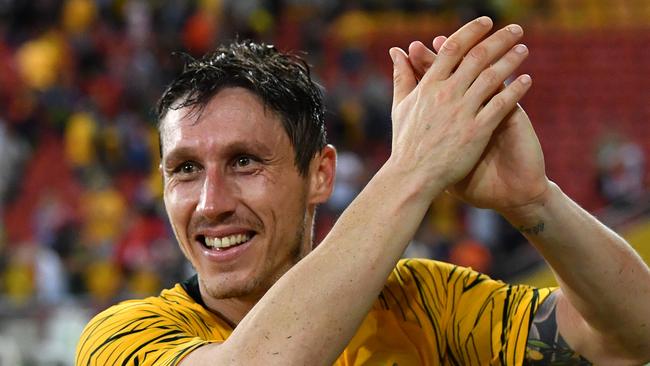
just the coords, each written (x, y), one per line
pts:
(443, 124)
(510, 174)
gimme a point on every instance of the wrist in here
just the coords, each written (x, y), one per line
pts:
(413, 181)
(530, 216)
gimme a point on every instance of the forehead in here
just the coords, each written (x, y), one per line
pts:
(233, 115)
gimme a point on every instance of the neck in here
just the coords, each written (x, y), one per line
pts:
(231, 310)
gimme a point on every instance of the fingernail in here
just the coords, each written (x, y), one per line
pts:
(485, 20)
(393, 55)
(515, 29)
(520, 48)
(525, 79)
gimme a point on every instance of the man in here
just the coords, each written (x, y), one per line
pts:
(245, 163)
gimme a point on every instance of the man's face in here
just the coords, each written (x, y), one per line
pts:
(240, 210)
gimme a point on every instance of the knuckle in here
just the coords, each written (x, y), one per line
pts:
(442, 96)
(450, 47)
(480, 119)
(499, 102)
(479, 53)
(515, 88)
(490, 76)
(425, 65)
(470, 135)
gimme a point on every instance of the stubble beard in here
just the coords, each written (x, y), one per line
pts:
(256, 287)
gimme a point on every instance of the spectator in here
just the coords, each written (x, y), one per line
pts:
(621, 169)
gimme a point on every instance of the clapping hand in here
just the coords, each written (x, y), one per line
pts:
(486, 151)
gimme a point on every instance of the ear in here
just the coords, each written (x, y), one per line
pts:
(321, 175)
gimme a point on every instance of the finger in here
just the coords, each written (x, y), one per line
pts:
(504, 102)
(485, 53)
(456, 46)
(404, 80)
(492, 78)
(421, 58)
(437, 43)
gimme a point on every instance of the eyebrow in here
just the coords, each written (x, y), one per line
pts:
(189, 151)
(242, 146)
(178, 153)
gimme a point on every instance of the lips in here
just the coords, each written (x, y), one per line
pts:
(223, 241)
(229, 254)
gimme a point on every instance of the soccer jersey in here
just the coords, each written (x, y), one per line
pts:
(428, 313)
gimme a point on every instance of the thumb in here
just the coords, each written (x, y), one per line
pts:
(404, 80)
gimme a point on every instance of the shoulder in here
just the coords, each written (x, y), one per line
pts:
(170, 304)
(409, 267)
(416, 289)
(415, 272)
(169, 325)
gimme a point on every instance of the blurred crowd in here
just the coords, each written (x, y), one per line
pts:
(83, 221)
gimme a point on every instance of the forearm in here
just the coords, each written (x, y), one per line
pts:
(600, 274)
(313, 311)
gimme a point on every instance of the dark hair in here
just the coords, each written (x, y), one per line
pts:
(281, 80)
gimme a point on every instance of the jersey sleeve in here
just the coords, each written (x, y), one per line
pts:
(487, 321)
(139, 333)
(467, 318)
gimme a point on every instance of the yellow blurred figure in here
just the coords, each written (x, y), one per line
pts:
(104, 210)
(40, 61)
(154, 181)
(79, 135)
(354, 28)
(19, 283)
(103, 280)
(444, 216)
(352, 114)
(212, 7)
(18, 278)
(144, 283)
(78, 15)
(261, 20)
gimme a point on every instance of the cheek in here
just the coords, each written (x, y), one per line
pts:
(279, 203)
(179, 203)
(272, 194)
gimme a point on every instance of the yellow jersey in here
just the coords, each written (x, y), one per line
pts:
(428, 313)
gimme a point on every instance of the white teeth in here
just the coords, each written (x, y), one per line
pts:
(226, 241)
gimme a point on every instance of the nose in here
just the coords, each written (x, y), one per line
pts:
(217, 198)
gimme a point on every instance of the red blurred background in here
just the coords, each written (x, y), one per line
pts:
(82, 221)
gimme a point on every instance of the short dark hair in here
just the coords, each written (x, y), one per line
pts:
(281, 80)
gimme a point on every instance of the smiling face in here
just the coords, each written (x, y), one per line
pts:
(239, 208)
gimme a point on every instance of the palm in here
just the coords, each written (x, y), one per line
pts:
(511, 171)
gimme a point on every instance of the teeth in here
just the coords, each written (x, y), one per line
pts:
(226, 241)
